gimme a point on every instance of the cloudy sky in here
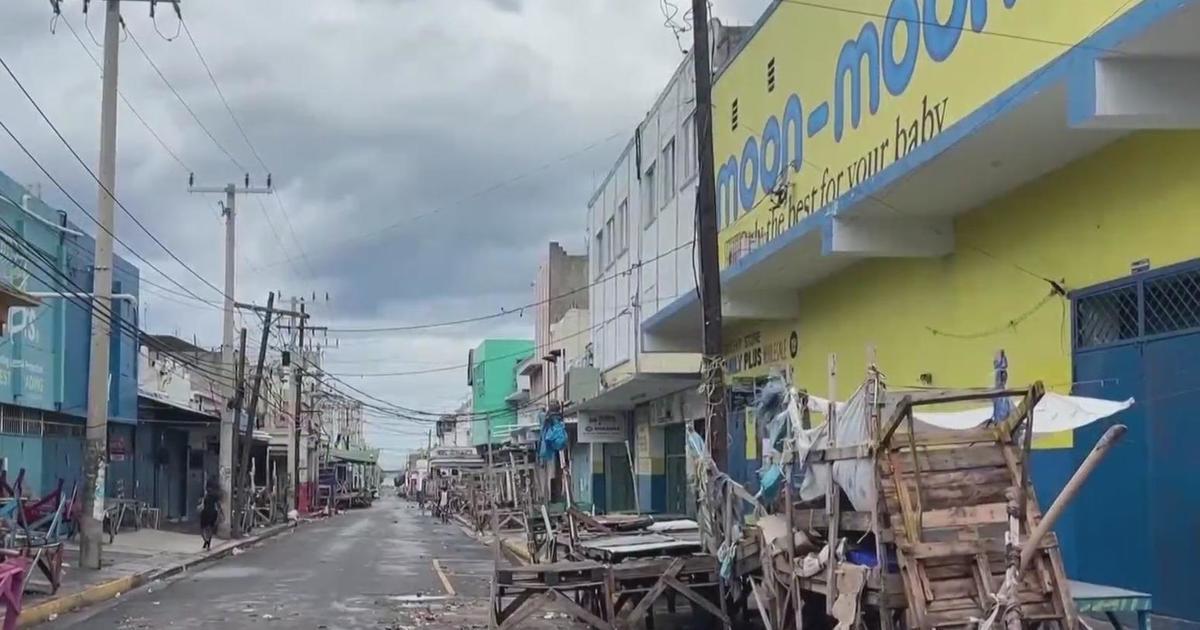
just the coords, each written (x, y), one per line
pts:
(424, 153)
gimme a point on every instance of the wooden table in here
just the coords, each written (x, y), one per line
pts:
(579, 589)
(1096, 598)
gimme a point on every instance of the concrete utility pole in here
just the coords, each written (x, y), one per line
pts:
(706, 238)
(95, 453)
(96, 447)
(226, 456)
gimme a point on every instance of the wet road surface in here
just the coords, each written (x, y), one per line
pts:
(376, 568)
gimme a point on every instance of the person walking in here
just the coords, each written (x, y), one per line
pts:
(210, 511)
(444, 504)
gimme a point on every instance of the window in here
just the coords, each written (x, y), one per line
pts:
(610, 253)
(689, 149)
(603, 262)
(649, 197)
(668, 171)
(623, 226)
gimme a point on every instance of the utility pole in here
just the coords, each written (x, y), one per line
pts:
(95, 453)
(252, 420)
(239, 395)
(227, 428)
(706, 237)
(95, 450)
(294, 451)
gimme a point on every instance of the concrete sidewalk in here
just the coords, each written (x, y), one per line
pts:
(132, 560)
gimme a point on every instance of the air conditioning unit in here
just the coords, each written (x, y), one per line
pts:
(581, 384)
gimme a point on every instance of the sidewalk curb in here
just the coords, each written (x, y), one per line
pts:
(511, 547)
(105, 591)
(518, 550)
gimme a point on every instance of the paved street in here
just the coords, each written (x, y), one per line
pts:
(370, 568)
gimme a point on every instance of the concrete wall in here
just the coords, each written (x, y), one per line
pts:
(651, 262)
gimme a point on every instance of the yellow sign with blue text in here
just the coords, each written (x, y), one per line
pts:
(828, 93)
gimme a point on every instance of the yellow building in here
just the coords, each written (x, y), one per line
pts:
(943, 179)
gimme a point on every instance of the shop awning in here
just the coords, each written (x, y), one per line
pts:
(358, 455)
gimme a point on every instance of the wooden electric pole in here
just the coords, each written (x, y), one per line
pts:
(248, 434)
(239, 399)
(712, 371)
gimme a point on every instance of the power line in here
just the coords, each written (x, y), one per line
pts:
(504, 312)
(183, 101)
(124, 99)
(187, 31)
(253, 149)
(108, 192)
(962, 28)
(84, 210)
(377, 232)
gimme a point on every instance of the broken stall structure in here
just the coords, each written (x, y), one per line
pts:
(893, 513)
(606, 571)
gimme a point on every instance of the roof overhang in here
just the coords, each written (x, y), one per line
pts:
(1139, 72)
(518, 397)
(165, 404)
(638, 389)
(530, 366)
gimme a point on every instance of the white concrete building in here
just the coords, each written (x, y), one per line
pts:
(641, 227)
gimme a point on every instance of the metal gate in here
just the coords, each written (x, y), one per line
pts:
(1137, 523)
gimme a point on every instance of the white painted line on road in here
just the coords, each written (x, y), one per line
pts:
(437, 566)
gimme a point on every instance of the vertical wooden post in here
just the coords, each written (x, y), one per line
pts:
(833, 496)
(879, 512)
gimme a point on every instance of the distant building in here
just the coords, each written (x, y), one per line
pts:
(492, 376)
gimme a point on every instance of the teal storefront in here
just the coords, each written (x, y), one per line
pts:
(44, 349)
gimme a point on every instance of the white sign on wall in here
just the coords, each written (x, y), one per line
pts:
(599, 429)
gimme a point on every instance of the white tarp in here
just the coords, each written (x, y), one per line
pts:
(855, 476)
(1053, 413)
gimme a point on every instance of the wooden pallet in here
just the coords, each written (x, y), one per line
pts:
(949, 497)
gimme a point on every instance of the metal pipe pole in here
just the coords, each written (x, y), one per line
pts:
(1105, 444)
(95, 452)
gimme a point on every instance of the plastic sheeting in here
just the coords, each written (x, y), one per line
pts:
(855, 476)
(553, 437)
(1053, 413)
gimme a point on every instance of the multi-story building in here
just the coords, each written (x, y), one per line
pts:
(454, 429)
(45, 347)
(641, 225)
(999, 176)
(492, 376)
(561, 307)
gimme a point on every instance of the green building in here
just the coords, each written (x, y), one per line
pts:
(492, 375)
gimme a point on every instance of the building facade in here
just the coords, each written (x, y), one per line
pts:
(492, 376)
(641, 226)
(960, 193)
(44, 350)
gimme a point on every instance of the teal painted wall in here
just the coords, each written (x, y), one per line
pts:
(493, 378)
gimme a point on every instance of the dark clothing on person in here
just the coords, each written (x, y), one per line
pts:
(210, 513)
